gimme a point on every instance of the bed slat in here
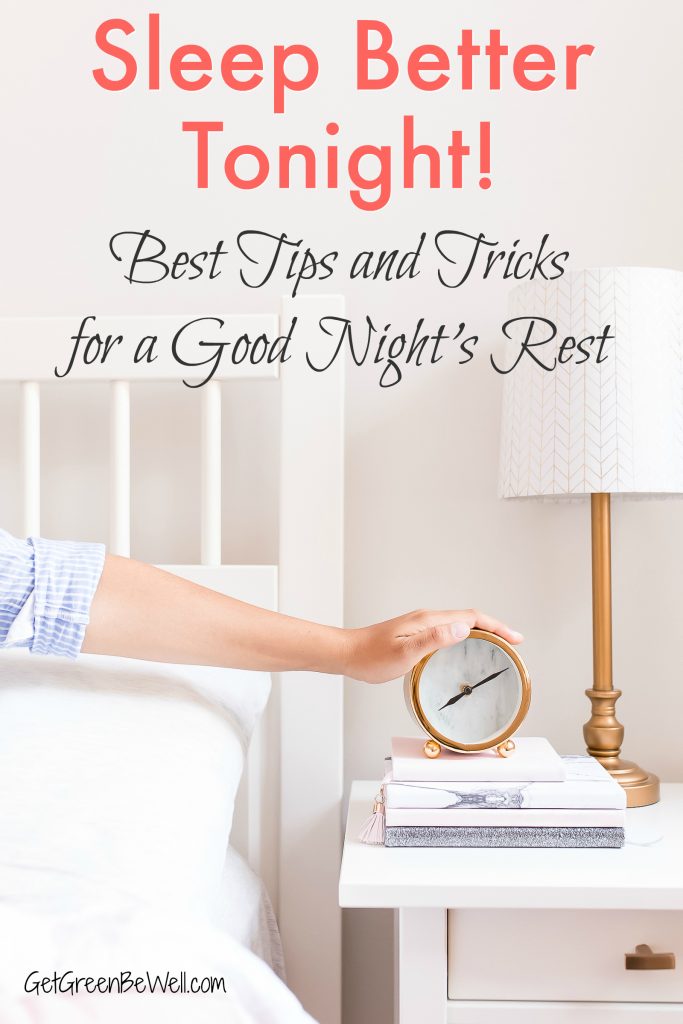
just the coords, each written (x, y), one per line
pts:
(30, 457)
(211, 474)
(119, 489)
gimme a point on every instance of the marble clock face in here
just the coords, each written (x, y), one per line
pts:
(471, 692)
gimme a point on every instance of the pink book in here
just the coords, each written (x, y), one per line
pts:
(523, 817)
(533, 760)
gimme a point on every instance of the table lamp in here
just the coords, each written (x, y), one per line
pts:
(595, 420)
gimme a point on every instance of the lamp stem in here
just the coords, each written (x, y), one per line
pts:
(603, 732)
(602, 591)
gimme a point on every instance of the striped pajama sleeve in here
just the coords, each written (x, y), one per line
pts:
(46, 589)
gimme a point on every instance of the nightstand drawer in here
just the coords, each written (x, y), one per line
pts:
(563, 955)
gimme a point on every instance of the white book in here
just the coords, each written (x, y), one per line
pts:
(535, 817)
(587, 784)
(533, 760)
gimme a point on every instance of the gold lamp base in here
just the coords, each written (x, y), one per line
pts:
(604, 735)
(642, 788)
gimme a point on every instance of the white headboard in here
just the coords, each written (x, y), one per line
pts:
(288, 820)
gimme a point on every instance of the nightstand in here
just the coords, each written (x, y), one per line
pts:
(529, 936)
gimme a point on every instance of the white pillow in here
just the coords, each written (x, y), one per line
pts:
(123, 772)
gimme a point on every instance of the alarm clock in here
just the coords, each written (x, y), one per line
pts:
(471, 696)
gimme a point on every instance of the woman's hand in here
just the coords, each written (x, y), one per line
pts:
(389, 649)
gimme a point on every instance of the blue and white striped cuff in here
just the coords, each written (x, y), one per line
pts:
(66, 578)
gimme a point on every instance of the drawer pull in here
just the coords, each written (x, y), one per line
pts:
(645, 960)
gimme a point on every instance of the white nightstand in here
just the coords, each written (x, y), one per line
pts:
(529, 936)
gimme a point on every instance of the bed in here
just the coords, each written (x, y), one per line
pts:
(285, 826)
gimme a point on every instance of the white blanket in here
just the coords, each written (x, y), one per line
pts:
(85, 930)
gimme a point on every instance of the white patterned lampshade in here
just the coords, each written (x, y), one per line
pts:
(587, 427)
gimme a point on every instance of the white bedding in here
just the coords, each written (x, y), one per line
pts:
(88, 931)
(117, 784)
(244, 911)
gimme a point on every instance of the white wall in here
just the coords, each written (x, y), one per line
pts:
(600, 170)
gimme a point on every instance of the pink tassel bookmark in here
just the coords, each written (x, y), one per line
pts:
(372, 831)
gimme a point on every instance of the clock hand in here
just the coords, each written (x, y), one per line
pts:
(453, 700)
(481, 682)
(489, 678)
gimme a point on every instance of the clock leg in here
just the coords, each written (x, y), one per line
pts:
(420, 967)
(505, 749)
(432, 748)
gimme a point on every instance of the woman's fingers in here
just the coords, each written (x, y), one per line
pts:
(436, 637)
(455, 619)
(481, 621)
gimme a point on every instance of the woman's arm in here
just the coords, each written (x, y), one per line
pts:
(139, 611)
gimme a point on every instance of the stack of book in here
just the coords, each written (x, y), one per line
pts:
(533, 798)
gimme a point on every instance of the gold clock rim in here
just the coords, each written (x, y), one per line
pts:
(416, 674)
